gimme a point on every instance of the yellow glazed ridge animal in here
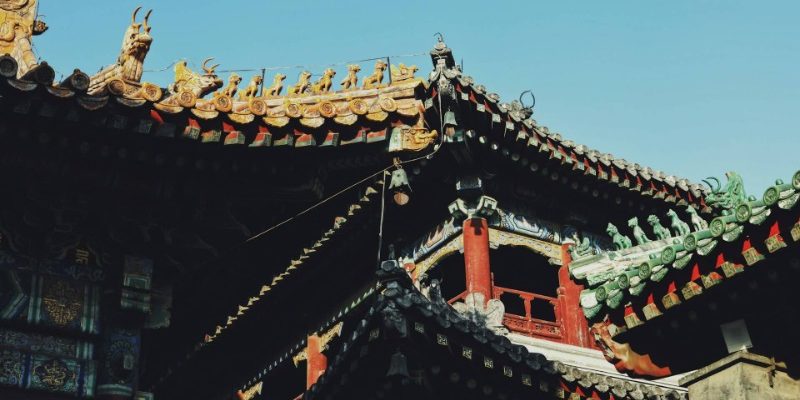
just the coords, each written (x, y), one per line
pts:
(351, 80)
(277, 86)
(374, 80)
(251, 90)
(302, 84)
(325, 82)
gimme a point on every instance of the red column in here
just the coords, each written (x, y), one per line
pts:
(576, 329)
(316, 362)
(476, 257)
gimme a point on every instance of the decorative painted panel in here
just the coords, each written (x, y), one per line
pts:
(64, 304)
(120, 351)
(433, 240)
(46, 373)
(77, 264)
(46, 344)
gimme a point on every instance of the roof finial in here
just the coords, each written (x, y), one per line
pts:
(441, 51)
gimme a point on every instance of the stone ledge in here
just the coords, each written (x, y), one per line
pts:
(742, 356)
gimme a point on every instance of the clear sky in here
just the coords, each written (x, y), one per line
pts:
(693, 88)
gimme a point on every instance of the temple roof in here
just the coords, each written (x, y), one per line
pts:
(509, 129)
(401, 313)
(202, 107)
(645, 281)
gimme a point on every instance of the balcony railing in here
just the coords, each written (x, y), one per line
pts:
(526, 324)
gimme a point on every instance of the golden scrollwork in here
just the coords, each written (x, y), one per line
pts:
(499, 238)
(416, 139)
(324, 341)
(251, 392)
(53, 373)
(62, 302)
(327, 109)
(454, 245)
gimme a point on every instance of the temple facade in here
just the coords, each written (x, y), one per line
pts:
(367, 231)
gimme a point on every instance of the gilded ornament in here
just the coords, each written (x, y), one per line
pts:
(327, 109)
(375, 80)
(190, 86)
(251, 90)
(324, 341)
(358, 106)
(257, 106)
(222, 103)
(302, 84)
(53, 373)
(294, 110)
(130, 63)
(62, 302)
(14, 5)
(277, 86)
(351, 80)
(17, 26)
(416, 139)
(252, 392)
(377, 116)
(233, 86)
(116, 87)
(402, 72)
(151, 92)
(387, 104)
(186, 99)
(323, 85)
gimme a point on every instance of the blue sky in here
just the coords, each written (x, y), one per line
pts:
(693, 88)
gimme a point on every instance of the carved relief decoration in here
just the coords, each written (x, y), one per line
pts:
(550, 250)
(62, 302)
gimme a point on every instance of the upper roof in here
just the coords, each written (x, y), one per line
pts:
(509, 129)
(366, 106)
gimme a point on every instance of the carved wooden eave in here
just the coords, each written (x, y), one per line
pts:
(541, 237)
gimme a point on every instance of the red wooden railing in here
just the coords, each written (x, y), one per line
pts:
(527, 324)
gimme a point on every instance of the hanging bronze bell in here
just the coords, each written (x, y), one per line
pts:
(398, 366)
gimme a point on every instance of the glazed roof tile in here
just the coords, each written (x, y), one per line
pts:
(758, 227)
(539, 138)
(430, 320)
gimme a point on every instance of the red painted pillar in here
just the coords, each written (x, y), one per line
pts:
(576, 328)
(476, 257)
(316, 362)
